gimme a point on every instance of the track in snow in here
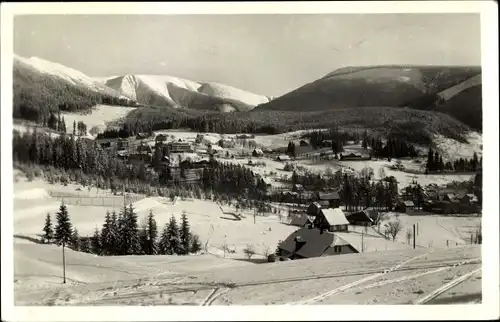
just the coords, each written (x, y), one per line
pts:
(356, 283)
(446, 287)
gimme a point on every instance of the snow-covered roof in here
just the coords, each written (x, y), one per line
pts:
(283, 157)
(335, 216)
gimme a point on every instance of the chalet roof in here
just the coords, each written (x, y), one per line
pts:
(328, 196)
(451, 196)
(324, 203)
(334, 216)
(371, 212)
(315, 205)
(300, 221)
(298, 186)
(371, 243)
(408, 203)
(258, 151)
(360, 216)
(283, 157)
(303, 149)
(315, 242)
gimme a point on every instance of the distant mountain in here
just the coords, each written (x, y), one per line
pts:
(164, 90)
(61, 72)
(41, 87)
(389, 86)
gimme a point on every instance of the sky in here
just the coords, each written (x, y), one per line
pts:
(268, 54)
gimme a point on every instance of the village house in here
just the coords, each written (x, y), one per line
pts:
(179, 147)
(332, 220)
(466, 198)
(226, 143)
(303, 143)
(257, 153)
(304, 151)
(298, 188)
(283, 158)
(215, 149)
(144, 149)
(328, 200)
(122, 144)
(404, 206)
(160, 138)
(310, 242)
(361, 218)
(301, 221)
(350, 156)
(313, 209)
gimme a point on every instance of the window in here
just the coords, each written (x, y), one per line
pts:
(337, 249)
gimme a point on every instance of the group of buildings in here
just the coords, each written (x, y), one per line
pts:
(326, 231)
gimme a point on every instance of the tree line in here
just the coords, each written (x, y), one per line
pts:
(35, 97)
(393, 148)
(85, 161)
(435, 163)
(355, 192)
(121, 235)
(413, 126)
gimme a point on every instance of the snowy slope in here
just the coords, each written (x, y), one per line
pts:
(455, 90)
(226, 91)
(62, 72)
(172, 91)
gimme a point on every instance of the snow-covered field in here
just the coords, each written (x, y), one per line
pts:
(206, 218)
(436, 230)
(451, 149)
(100, 116)
(212, 279)
(394, 277)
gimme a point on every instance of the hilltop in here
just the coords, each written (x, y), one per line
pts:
(388, 86)
(164, 90)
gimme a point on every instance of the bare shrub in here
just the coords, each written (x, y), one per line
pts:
(249, 251)
(266, 251)
(394, 227)
(409, 235)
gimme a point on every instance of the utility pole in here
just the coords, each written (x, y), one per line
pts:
(417, 228)
(362, 244)
(64, 265)
(254, 215)
(414, 237)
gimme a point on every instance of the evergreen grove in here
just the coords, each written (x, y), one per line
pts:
(71, 158)
(121, 235)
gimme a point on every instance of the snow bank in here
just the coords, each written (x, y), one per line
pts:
(452, 149)
(147, 204)
(35, 193)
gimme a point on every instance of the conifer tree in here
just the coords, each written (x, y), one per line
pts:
(115, 241)
(85, 245)
(47, 230)
(75, 240)
(184, 235)
(63, 126)
(74, 127)
(430, 161)
(95, 243)
(195, 244)
(152, 234)
(129, 234)
(63, 227)
(164, 244)
(107, 235)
